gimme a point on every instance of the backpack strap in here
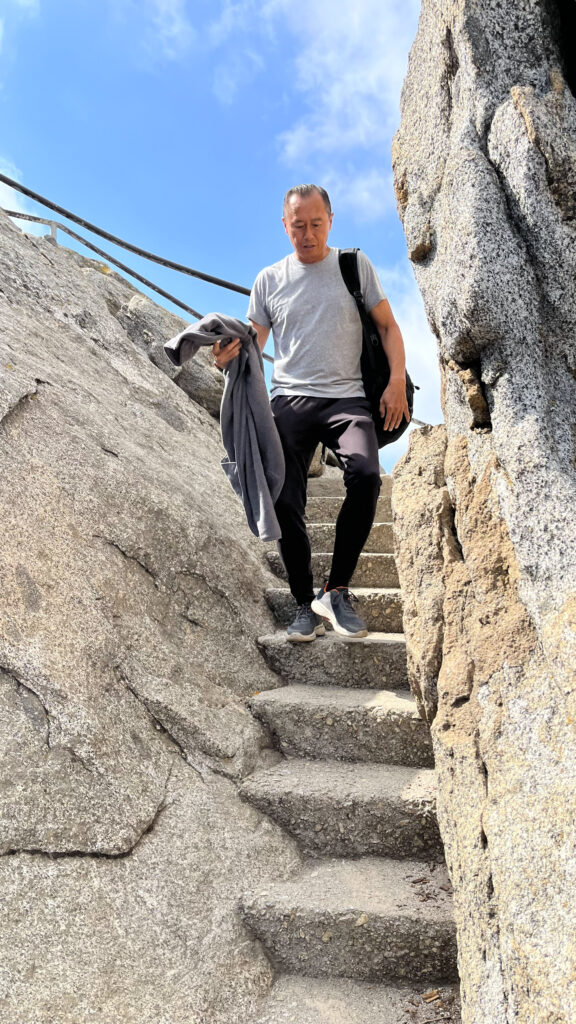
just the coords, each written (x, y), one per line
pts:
(348, 262)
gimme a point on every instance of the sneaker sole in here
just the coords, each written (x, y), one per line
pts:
(326, 613)
(306, 637)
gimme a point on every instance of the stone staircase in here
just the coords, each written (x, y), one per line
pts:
(365, 933)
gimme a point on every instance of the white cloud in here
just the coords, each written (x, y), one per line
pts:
(367, 195)
(346, 64)
(11, 8)
(171, 29)
(233, 73)
(350, 71)
(234, 18)
(161, 29)
(243, 22)
(32, 6)
(28, 6)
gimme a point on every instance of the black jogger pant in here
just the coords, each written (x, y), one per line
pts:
(346, 426)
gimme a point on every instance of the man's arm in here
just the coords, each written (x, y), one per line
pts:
(223, 356)
(262, 334)
(393, 404)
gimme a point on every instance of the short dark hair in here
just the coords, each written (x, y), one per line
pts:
(307, 190)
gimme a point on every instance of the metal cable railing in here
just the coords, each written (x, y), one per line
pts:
(119, 241)
(55, 226)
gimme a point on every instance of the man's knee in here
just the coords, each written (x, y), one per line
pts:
(362, 474)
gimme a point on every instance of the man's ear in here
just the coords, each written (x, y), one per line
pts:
(284, 223)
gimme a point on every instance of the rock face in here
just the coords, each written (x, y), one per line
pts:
(131, 598)
(485, 171)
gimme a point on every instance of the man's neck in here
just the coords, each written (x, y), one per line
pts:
(311, 263)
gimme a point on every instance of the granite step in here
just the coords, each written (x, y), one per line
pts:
(332, 486)
(380, 607)
(377, 661)
(380, 540)
(338, 723)
(303, 1000)
(370, 919)
(325, 509)
(373, 570)
(338, 809)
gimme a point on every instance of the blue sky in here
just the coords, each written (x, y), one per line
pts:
(179, 125)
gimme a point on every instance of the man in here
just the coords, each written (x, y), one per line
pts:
(317, 396)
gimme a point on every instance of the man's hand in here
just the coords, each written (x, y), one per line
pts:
(393, 405)
(225, 354)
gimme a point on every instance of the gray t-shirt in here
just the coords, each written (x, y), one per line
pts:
(315, 324)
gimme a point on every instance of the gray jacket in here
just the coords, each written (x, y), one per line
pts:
(255, 461)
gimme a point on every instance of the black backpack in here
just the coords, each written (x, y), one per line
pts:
(373, 362)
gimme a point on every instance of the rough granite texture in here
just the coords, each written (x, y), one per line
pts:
(373, 570)
(381, 609)
(131, 597)
(339, 809)
(370, 918)
(347, 724)
(485, 173)
(297, 1000)
(377, 661)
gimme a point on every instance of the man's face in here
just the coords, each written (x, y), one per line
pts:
(308, 224)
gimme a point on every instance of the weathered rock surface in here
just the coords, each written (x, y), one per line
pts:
(340, 809)
(373, 570)
(297, 1000)
(131, 598)
(345, 724)
(380, 660)
(370, 918)
(485, 168)
(381, 608)
(147, 937)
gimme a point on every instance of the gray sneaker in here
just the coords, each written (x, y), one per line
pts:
(306, 625)
(335, 605)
